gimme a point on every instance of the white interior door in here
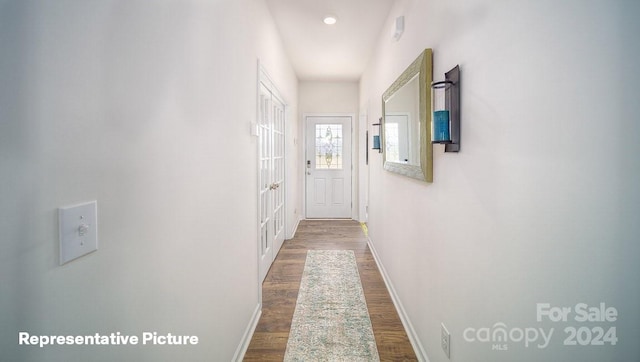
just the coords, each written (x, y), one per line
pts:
(271, 134)
(328, 167)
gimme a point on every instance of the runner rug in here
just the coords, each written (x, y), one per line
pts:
(331, 321)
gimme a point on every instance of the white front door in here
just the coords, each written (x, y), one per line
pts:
(271, 126)
(328, 167)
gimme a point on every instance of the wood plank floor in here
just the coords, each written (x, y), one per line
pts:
(280, 292)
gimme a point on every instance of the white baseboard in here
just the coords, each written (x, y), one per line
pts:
(248, 333)
(413, 337)
(295, 229)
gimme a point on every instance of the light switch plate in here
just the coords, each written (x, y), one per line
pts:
(78, 226)
(254, 130)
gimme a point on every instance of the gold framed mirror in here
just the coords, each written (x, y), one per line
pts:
(406, 121)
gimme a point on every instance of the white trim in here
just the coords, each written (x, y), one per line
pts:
(363, 169)
(248, 334)
(265, 79)
(329, 219)
(413, 336)
(257, 180)
(295, 229)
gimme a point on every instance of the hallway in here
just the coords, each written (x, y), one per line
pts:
(280, 291)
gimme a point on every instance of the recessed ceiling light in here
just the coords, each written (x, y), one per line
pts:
(330, 19)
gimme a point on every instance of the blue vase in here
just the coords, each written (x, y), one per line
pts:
(441, 126)
(376, 142)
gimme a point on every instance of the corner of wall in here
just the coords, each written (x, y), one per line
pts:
(404, 317)
(248, 334)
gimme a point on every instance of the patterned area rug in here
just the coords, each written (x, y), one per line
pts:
(331, 321)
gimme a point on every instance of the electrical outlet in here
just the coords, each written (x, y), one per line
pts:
(445, 340)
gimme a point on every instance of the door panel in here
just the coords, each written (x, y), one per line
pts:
(328, 167)
(337, 191)
(320, 191)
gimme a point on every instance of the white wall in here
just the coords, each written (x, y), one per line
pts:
(541, 204)
(335, 97)
(144, 106)
(328, 97)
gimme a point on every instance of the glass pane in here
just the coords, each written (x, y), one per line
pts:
(329, 146)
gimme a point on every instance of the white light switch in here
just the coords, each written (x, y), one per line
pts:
(254, 129)
(78, 230)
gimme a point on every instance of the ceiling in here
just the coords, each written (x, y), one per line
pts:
(329, 52)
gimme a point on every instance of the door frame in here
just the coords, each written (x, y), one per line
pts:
(354, 168)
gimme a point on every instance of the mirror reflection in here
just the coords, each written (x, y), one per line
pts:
(402, 124)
